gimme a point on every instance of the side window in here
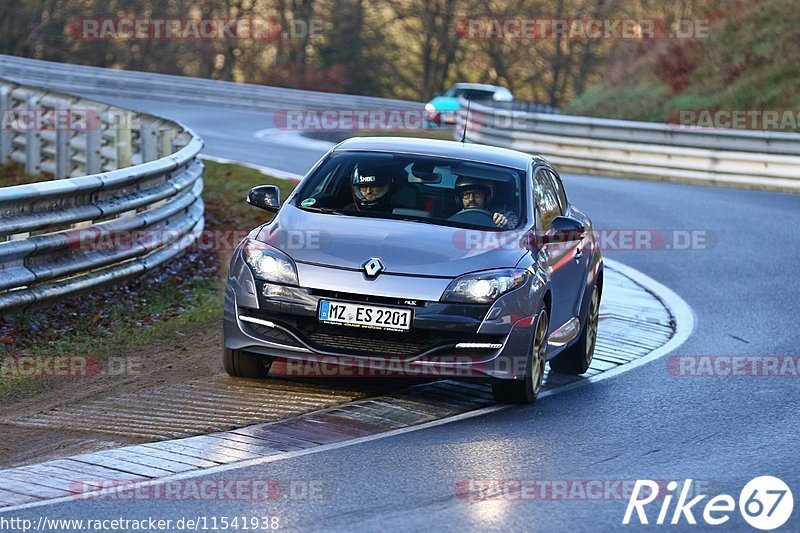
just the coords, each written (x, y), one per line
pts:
(559, 186)
(547, 207)
(328, 183)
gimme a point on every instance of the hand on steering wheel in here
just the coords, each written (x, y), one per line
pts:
(500, 220)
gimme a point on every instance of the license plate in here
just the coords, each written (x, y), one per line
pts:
(365, 316)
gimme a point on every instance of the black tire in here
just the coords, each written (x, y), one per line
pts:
(242, 364)
(525, 391)
(576, 359)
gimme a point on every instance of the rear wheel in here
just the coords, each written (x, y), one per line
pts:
(525, 391)
(243, 364)
(576, 359)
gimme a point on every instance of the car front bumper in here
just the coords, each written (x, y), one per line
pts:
(445, 340)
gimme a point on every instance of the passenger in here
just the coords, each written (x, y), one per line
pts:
(472, 193)
(370, 190)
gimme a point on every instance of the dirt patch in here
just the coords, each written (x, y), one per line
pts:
(25, 446)
(190, 355)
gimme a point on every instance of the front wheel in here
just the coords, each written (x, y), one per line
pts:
(243, 364)
(576, 359)
(526, 391)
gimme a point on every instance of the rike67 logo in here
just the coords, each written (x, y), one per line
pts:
(766, 503)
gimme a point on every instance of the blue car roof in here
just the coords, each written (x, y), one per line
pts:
(437, 148)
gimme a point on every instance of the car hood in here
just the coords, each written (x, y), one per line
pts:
(445, 103)
(404, 247)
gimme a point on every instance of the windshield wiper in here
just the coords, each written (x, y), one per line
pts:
(333, 211)
(327, 210)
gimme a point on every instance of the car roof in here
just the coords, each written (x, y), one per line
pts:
(437, 148)
(481, 86)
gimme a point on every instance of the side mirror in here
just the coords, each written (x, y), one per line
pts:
(266, 197)
(564, 229)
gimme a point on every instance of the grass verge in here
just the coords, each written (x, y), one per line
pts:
(13, 173)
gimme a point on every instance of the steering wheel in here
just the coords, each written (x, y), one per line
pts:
(474, 216)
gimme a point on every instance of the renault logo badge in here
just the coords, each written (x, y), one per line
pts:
(373, 267)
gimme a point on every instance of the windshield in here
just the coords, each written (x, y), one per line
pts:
(472, 94)
(416, 188)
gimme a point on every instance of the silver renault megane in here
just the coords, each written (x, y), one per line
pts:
(426, 258)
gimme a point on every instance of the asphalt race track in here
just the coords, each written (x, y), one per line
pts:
(644, 424)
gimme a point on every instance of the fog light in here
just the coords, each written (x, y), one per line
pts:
(479, 345)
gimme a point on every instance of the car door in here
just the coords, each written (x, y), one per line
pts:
(583, 249)
(562, 259)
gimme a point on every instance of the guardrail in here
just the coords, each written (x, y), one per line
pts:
(757, 159)
(130, 198)
(165, 87)
(524, 105)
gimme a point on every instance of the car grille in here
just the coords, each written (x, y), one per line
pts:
(369, 298)
(367, 342)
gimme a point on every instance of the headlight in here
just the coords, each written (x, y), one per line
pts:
(269, 264)
(484, 287)
(430, 108)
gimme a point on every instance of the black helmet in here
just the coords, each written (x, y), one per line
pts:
(468, 183)
(370, 177)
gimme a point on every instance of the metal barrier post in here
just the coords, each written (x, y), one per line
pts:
(149, 139)
(93, 143)
(62, 154)
(33, 141)
(120, 123)
(5, 135)
(165, 138)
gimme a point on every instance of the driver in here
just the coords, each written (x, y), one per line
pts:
(473, 193)
(370, 190)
